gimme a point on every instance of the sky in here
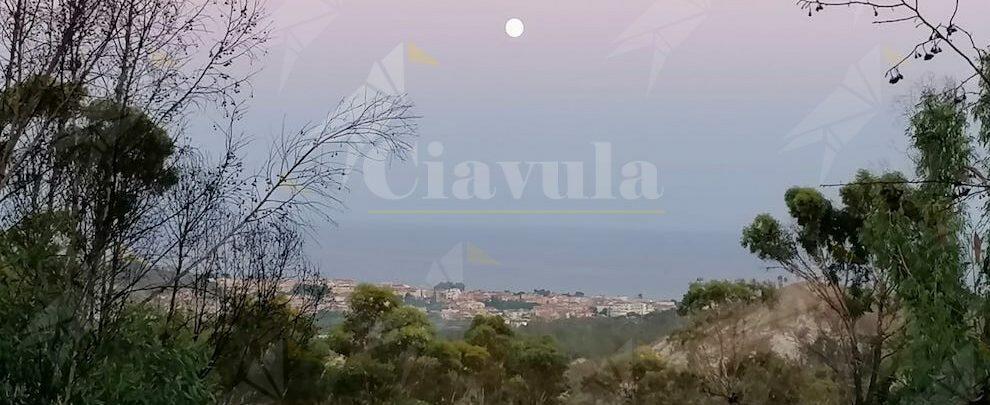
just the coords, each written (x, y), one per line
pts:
(732, 103)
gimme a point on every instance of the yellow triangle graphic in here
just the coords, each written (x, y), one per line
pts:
(477, 256)
(418, 55)
(891, 55)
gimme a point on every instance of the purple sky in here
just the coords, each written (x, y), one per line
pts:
(733, 101)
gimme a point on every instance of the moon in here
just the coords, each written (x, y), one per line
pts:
(514, 27)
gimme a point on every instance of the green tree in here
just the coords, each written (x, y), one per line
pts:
(638, 378)
(765, 378)
(644, 377)
(711, 294)
(600, 336)
(267, 338)
(47, 355)
(67, 336)
(525, 370)
(390, 354)
(125, 254)
(918, 234)
(828, 253)
(897, 249)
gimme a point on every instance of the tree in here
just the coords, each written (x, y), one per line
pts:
(161, 57)
(766, 378)
(390, 352)
(523, 369)
(93, 164)
(828, 253)
(601, 336)
(446, 285)
(645, 377)
(272, 355)
(712, 294)
(48, 353)
(537, 369)
(921, 230)
(941, 28)
(919, 236)
(639, 377)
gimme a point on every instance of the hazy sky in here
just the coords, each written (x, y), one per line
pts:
(732, 101)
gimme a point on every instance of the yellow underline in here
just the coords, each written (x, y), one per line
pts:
(516, 212)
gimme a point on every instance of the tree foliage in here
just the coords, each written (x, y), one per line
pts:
(711, 294)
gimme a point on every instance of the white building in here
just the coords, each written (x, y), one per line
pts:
(626, 308)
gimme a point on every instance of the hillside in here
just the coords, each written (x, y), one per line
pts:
(796, 318)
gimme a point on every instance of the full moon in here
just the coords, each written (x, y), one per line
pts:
(514, 27)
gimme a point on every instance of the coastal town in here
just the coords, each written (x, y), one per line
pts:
(453, 301)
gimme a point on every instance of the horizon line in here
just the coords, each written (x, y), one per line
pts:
(517, 212)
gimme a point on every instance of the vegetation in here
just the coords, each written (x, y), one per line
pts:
(135, 268)
(390, 353)
(601, 337)
(644, 377)
(893, 256)
(448, 285)
(709, 295)
(387, 352)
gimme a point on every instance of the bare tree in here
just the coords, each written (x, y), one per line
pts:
(94, 96)
(234, 240)
(941, 34)
(160, 56)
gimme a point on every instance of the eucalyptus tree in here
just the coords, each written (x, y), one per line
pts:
(94, 152)
(906, 249)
